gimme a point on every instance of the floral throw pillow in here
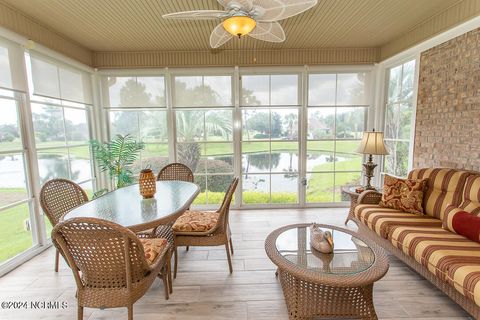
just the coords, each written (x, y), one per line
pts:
(403, 194)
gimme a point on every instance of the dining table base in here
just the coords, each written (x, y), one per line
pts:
(306, 300)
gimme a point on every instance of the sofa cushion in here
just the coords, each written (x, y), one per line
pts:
(421, 243)
(380, 219)
(465, 277)
(465, 223)
(153, 247)
(196, 221)
(403, 194)
(471, 195)
(444, 187)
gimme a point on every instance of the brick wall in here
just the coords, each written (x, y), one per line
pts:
(447, 131)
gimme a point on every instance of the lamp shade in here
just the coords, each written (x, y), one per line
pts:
(372, 143)
(239, 25)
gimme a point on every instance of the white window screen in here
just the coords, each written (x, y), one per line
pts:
(135, 91)
(203, 91)
(55, 80)
(11, 66)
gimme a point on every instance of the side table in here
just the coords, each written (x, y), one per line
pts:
(350, 190)
(354, 195)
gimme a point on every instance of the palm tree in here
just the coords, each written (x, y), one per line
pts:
(194, 126)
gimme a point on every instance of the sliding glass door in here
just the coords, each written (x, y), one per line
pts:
(336, 118)
(270, 142)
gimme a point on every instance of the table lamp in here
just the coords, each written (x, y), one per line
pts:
(372, 144)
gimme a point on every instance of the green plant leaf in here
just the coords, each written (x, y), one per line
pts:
(117, 157)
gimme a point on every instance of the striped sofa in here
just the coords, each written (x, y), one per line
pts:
(448, 260)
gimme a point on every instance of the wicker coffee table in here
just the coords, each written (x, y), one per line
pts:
(337, 285)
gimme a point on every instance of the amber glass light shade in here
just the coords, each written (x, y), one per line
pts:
(239, 25)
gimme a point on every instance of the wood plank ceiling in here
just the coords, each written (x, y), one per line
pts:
(136, 25)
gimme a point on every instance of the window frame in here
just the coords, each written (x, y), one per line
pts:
(383, 102)
(174, 109)
(369, 111)
(270, 108)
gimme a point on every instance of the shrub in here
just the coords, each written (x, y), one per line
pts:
(156, 164)
(216, 183)
(261, 136)
(7, 137)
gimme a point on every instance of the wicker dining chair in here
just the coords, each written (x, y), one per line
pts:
(218, 228)
(57, 197)
(109, 262)
(175, 171)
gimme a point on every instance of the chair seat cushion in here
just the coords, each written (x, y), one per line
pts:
(381, 219)
(196, 221)
(153, 247)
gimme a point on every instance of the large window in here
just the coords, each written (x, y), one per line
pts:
(399, 115)
(204, 132)
(291, 139)
(337, 113)
(16, 202)
(61, 105)
(137, 106)
(270, 107)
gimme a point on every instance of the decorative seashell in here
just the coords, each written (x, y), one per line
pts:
(321, 240)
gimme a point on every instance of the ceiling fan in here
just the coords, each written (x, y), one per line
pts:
(256, 18)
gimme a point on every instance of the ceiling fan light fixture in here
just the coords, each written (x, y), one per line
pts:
(239, 25)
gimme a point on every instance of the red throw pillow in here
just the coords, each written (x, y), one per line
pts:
(403, 194)
(467, 225)
(462, 222)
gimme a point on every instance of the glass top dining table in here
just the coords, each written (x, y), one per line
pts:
(126, 206)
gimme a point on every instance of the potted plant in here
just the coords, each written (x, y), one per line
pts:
(117, 158)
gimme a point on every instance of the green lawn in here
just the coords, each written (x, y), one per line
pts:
(213, 149)
(14, 238)
(322, 185)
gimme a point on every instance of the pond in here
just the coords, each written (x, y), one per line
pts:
(256, 169)
(283, 166)
(12, 174)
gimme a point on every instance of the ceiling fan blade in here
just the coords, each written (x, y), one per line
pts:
(268, 31)
(246, 5)
(196, 15)
(274, 10)
(219, 36)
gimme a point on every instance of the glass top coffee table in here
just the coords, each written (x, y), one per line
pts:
(339, 284)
